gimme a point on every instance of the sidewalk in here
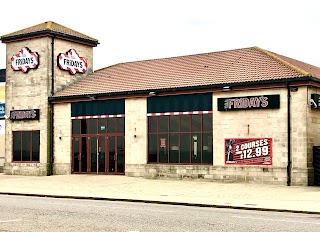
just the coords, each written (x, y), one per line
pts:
(185, 192)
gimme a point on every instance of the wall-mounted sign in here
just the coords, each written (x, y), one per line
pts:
(72, 62)
(256, 151)
(33, 114)
(2, 110)
(249, 102)
(315, 100)
(25, 60)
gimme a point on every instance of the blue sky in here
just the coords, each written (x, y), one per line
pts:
(148, 29)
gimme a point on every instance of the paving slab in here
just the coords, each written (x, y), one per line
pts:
(305, 199)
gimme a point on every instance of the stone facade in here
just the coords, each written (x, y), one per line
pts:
(268, 123)
(135, 136)
(31, 91)
(62, 139)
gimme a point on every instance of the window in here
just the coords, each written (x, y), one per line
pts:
(26, 146)
(98, 126)
(185, 139)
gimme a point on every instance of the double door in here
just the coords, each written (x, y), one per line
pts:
(98, 154)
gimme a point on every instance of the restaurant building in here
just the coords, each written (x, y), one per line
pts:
(239, 115)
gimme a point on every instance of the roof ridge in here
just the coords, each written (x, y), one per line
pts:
(49, 25)
(277, 58)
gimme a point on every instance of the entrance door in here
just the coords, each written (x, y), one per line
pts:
(116, 154)
(97, 159)
(80, 156)
(98, 154)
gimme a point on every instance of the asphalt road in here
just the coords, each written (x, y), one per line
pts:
(21, 213)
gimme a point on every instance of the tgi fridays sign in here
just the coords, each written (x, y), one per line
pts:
(33, 114)
(256, 151)
(249, 102)
(72, 62)
(25, 60)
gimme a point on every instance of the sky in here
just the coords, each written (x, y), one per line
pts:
(132, 30)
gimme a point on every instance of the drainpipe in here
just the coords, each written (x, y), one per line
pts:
(50, 113)
(289, 167)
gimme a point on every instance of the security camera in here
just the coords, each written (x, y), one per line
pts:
(6, 117)
(313, 103)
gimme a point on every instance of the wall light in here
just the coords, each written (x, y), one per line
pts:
(152, 93)
(226, 88)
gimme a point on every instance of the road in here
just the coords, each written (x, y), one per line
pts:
(22, 213)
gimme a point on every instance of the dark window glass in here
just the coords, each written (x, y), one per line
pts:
(185, 148)
(17, 146)
(120, 125)
(26, 146)
(112, 125)
(84, 156)
(174, 148)
(35, 146)
(84, 126)
(207, 122)
(196, 122)
(163, 123)
(93, 126)
(174, 123)
(185, 124)
(152, 125)
(188, 139)
(102, 123)
(152, 148)
(76, 153)
(207, 156)
(76, 126)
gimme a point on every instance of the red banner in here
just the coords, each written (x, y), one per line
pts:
(256, 151)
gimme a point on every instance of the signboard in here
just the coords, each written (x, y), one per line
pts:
(2, 110)
(256, 151)
(25, 60)
(249, 102)
(72, 62)
(33, 114)
(315, 100)
(162, 142)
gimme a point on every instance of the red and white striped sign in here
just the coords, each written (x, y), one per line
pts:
(72, 62)
(25, 60)
(100, 116)
(180, 113)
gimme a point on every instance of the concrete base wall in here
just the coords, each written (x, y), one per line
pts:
(269, 175)
(61, 169)
(27, 169)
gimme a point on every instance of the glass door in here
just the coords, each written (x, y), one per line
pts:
(97, 155)
(79, 156)
(116, 154)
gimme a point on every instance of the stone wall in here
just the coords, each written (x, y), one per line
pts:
(28, 91)
(313, 132)
(135, 135)
(62, 139)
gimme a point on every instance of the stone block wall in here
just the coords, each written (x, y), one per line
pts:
(135, 135)
(28, 91)
(62, 139)
(313, 132)
(63, 77)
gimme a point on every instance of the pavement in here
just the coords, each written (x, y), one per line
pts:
(251, 196)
